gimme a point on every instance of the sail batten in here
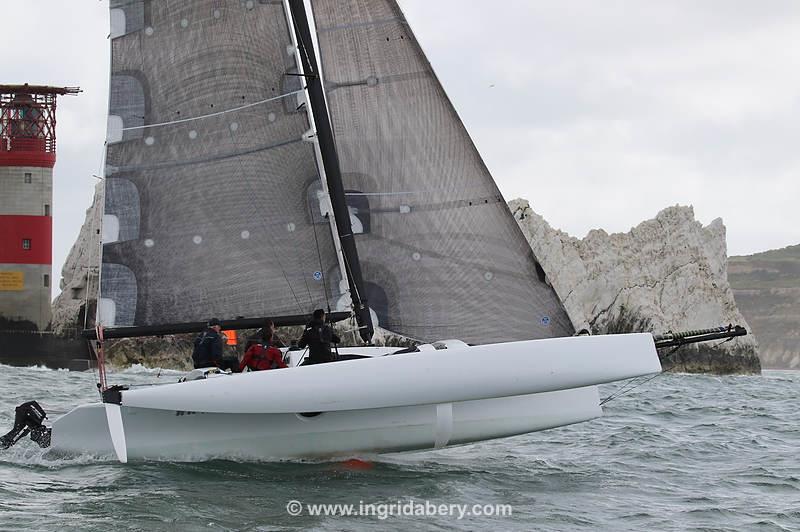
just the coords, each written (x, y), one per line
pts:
(211, 115)
(448, 259)
(202, 160)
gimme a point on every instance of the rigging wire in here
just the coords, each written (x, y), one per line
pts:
(350, 276)
(723, 341)
(319, 256)
(301, 47)
(97, 230)
(627, 387)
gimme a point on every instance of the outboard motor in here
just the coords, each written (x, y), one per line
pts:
(29, 419)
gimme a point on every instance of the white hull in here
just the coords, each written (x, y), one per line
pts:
(391, 403)
(163, 435)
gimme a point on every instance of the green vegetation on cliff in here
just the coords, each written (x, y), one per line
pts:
(777, 268)
(767, 290)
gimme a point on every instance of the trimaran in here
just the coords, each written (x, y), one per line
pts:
(245, 178)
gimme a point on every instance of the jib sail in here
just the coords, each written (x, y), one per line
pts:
(441, 254)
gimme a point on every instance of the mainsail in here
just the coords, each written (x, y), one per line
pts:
(212, 204)
(441, 255)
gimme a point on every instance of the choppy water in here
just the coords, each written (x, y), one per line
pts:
(681, 452)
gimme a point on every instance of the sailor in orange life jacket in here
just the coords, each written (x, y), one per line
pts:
(262, 356)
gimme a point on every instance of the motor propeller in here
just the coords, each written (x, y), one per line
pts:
(28, 419)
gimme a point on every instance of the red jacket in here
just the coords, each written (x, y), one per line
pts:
(259, 357)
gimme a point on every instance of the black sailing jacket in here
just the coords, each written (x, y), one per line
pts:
(318, 336)
(207, 349)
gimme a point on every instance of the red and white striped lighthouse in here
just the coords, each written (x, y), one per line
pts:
(27, 157)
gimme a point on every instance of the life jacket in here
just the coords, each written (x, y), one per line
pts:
(261, 357)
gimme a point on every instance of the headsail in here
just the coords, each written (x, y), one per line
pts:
(441, 254)
(212, 204)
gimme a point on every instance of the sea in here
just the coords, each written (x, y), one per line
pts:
(680, 452)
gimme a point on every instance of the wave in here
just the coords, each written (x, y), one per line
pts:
(138, 369)
(34, 367)
(29, 456)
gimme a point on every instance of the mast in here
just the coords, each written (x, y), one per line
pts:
(330, 163)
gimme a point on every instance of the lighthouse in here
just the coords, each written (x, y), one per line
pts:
(27, 157)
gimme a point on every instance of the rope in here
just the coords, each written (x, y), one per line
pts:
(101, 358)
(93, 367)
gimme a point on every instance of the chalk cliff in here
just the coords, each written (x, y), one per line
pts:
(79, 275)
(668, 273)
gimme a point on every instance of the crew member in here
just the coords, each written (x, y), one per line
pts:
(265, 332)
(262, 356)
(207, 351)
(269, 331)
(318, 336)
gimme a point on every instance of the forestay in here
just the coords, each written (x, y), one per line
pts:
(441, 254)
(209, 182)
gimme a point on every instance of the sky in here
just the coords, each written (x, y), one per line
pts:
(599, 113)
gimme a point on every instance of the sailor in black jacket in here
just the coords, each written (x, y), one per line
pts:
(318, 336)
(207, 351)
